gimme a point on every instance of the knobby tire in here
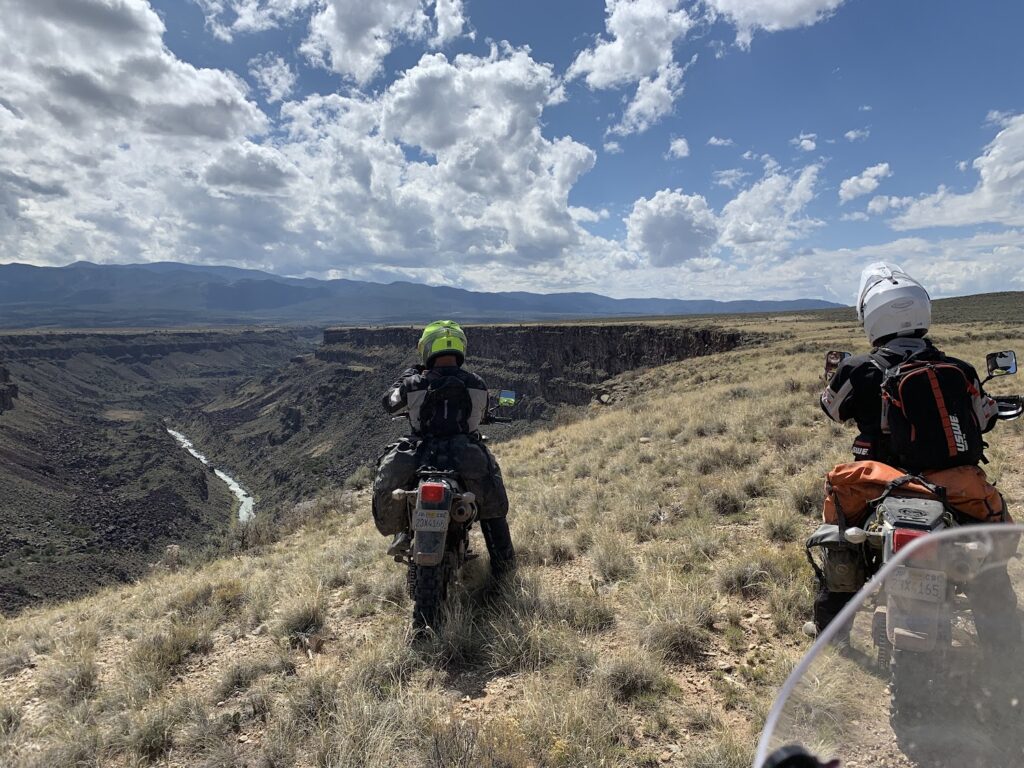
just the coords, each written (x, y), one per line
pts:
(428, 594)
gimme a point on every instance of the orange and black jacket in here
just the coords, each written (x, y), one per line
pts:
(855, 392)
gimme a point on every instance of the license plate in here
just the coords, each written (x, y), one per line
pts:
(917, 584)
(430, 520)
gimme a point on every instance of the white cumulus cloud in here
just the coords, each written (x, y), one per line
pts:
(805, 141)
(730, 177)
(864, 183)
(451, 21)
(771, 15)
(716, 141)
(638, 49)
(273, 75)
(857, 134)
(671, 227)
(770, 214)
(188, 168)
(880, 204)
(679, 148)
(348, 36)
(998, 196)
(103, 126)
(654, 99)
(225, 18)
(352, 37)
(641, 34)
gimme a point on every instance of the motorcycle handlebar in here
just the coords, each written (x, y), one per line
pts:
(1010, 406)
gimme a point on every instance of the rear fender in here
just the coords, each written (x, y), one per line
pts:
(429, 547)
(913, 625)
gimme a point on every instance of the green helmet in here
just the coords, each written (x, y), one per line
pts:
(442, 337)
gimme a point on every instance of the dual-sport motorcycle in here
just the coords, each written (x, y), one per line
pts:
(441, 516)
(965, 710)
(909, 643)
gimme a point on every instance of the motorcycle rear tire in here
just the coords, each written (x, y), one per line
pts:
(913, 678)
(428, 594)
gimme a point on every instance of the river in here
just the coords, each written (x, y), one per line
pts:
(246, 503)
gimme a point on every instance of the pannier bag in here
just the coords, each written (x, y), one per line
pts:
(850, 489)
(839, 565)
(928, 411)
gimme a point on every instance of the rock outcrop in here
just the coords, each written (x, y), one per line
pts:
(311, 424)
(92, 487)
(560, 364)
(8, 391)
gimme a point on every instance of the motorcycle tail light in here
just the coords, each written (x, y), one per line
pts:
(903, 536)
(432, 493)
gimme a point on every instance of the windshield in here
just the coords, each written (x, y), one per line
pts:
(923, 668)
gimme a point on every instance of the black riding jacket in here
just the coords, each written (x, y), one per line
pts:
(855, 392)
(442, 401)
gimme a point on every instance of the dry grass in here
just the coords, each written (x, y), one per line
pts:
(659, 602)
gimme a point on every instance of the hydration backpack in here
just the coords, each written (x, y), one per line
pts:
(446, 408)
(928, 412)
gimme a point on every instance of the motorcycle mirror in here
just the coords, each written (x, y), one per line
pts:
(507, 398)
(833, 359)
(1001, 363)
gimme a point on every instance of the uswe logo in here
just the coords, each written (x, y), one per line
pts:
(958, 435)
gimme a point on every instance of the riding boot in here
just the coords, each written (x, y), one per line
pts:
(827, 606)
(499, 546)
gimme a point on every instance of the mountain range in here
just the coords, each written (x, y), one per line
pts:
(84, 294)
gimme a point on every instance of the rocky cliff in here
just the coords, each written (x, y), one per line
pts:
(310, 425)
(559, 364)
(91, 485)
(8, 391)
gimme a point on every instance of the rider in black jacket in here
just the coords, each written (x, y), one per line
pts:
(446, 405)
(895, 311)
(854, 392)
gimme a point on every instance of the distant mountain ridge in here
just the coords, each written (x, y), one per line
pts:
(84, 294)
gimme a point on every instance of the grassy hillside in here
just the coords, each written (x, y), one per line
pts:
(659, 603)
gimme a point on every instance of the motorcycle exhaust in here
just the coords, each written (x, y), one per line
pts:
(465, 509)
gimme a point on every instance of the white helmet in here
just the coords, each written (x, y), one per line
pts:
(892, 303)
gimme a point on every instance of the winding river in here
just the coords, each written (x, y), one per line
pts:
(246, 503)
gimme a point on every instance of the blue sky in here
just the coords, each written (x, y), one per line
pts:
(719, 148)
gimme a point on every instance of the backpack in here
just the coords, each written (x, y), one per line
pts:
(928, 413)
(446, 408)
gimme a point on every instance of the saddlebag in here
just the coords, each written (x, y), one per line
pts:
(839, 565)
(396, 468)
(851, 488)
(969, 492)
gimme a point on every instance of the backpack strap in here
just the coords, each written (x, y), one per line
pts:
(888, 368)
(881, 362)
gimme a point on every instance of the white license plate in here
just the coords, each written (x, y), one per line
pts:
(917, 584)
(430, 520)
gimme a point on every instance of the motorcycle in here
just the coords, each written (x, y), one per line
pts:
(939, 580)
(964, 709)
(441, 516)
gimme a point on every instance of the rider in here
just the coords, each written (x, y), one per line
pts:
(446, 405)
(895, 311)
